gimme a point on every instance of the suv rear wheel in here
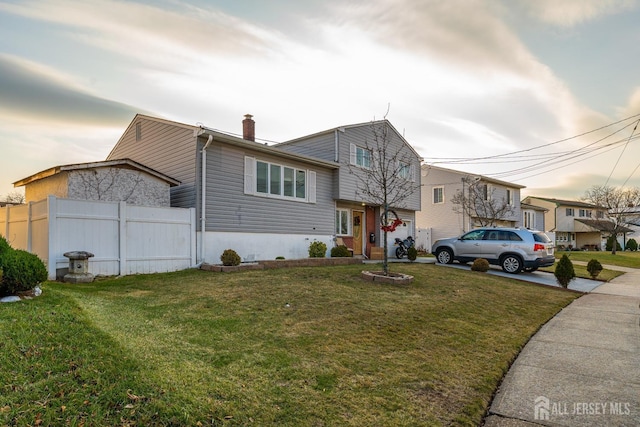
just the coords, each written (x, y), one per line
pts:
(511, 264)
(444, 256)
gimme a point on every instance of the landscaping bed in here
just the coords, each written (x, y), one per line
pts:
(282, 263)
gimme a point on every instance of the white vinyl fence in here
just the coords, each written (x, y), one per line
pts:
(124, 239)
(423, 239)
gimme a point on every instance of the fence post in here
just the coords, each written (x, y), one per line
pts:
(52, 217)
(122, 236)
(29, 236)
(6, 224)
(192, 236)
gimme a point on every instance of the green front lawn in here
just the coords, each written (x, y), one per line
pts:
(621, 258)
(291, 347)
(581, 271)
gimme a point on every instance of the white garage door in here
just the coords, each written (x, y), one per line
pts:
(402, 232)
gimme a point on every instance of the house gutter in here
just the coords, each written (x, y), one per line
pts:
(203, 206)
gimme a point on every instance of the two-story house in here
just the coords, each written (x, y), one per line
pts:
(575, 224)
(358, 149)
(445, 191)
(266, 201)
(259, 200)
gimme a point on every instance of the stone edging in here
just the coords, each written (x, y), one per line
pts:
(393, 278)
(281, 263)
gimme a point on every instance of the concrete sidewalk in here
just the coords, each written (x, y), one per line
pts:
(582, 368)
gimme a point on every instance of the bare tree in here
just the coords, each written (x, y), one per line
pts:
(109, 184)
(385, 175)
(15, 198)
(621, 205)
(478, 203)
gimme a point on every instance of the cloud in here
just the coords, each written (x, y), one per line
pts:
(633, 104)
(569, 13)
(463, 32)
(29, 91)
(159, 37)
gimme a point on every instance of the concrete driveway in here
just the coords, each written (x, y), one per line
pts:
(539, 277)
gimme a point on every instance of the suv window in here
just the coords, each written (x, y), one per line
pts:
(501, 235)
(473, 235)
(510, 235)
(492, 235)
(541, 237)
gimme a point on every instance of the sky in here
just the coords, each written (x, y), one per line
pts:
(543, 93)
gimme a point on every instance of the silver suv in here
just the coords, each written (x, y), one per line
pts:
(513, 249)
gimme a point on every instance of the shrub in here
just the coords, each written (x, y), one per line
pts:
(412, 253)
(610, 241)
(564, 271)
(480, 264)
(631, 245)
(340, 251)
(21, 271)
(230, 257)
(4, 245)
(280, 257)
(317, 250)
(594, 268)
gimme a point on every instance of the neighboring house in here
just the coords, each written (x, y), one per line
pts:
(575, 224)
(109, 181)
(258, 200)
(634, 225)
(533, 216)
(354, 149)
(445, 218)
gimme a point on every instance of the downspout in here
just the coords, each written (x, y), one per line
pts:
(203, 206)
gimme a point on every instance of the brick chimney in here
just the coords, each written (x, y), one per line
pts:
(248, 128)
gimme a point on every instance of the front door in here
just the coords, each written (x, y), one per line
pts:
(358, 226)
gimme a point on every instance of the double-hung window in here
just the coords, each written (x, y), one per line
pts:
(483, 191)
(438, 195)
(529, 219)
(360, 156)
(509, 197)
(342, 222)
(570, 212)
(405, 171)
(584, 213)
(274, 180)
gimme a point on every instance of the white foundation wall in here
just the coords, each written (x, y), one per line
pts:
(260, 246)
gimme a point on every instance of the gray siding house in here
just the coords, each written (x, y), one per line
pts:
(262, 201)
(438, 213)
(355, 148)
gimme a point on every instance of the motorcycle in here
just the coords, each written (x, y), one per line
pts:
(403, 246)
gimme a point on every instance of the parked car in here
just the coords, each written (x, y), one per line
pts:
(513, 249)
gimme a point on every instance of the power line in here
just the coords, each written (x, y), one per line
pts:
(450, 160)
(545, 160)
(620, 156)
